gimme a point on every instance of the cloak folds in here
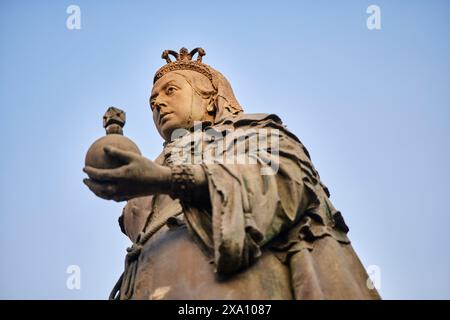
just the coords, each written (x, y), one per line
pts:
(266, 230)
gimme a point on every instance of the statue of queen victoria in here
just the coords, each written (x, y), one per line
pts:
(232, 208)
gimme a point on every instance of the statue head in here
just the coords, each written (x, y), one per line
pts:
(185, 91)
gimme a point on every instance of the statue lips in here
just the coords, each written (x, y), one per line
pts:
(163, 117)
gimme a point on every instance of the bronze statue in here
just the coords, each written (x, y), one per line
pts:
(233, 207)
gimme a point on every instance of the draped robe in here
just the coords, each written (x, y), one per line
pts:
(250, 236)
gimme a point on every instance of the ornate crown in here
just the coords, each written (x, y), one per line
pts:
(184, 62)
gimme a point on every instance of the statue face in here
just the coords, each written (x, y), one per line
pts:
(175, 104)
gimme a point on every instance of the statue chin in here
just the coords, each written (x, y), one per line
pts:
(169, 131)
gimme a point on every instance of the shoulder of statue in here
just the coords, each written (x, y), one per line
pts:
(257, 120)
(262, 120)
(267, 121)
(244, 118)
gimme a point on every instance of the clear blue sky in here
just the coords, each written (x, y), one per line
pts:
(372, 107)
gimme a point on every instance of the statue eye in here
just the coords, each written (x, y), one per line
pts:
(170, 90)
(152, 104)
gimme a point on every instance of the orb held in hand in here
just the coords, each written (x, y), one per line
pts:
(113, 122)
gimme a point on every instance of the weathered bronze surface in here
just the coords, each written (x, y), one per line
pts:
(210, 229)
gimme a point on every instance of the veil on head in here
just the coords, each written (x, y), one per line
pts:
(226, 102)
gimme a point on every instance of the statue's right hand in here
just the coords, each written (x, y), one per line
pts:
(138, 177)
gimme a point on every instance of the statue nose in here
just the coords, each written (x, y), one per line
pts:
(159, 104)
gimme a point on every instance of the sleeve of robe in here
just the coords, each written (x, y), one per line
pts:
(250, 209)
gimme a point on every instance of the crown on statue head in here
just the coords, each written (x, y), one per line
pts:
(184, 62)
